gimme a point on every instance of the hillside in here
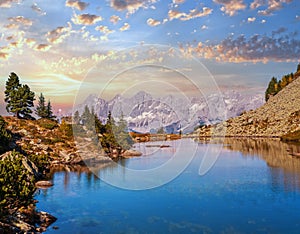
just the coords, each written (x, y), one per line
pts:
(46, 137)
(277, 117)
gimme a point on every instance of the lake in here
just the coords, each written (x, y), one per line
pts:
(254, 187)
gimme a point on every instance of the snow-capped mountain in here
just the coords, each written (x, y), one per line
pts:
(145, 113)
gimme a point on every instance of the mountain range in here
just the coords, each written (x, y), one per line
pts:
(145, 113)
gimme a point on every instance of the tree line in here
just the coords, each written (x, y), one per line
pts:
(113, 134)
(20, 100)
(275, 85)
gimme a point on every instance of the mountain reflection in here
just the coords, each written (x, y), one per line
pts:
(284, 168)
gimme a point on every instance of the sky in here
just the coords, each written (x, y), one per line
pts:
(68, 49)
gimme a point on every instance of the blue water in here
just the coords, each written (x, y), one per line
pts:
(249, 191)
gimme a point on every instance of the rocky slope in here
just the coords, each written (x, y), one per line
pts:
(46, 137)
(279, 116)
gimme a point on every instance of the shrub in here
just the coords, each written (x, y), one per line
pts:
(41, 161)
(5, 136)
(16, 183)
(47, 123)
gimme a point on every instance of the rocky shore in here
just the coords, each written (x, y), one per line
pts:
(51, 144)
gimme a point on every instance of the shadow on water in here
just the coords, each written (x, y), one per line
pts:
(284, 167)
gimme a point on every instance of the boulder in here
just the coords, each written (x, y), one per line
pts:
(131, 153)
(43, 184)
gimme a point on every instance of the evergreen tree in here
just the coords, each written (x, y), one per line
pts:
(161, 131)
(271, 88)
(12, 85)
(49, 112)
(76, 117)
(44, 111)
(121, 133)
(298, 67)
(19, 98)
(108, 141)
(88, 118)
(41, 109)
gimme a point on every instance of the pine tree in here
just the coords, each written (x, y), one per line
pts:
(49, 112)
(161, 131)
(121, 133)
(76, 117)
(19, 98)
(41, 109)
(12, 85)
(271, 88)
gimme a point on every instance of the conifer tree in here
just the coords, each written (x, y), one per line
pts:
(44, 111)
(41, 110)
(49, 112)
(19, 98)
(76, 117)
(121, 133)
(271, 88)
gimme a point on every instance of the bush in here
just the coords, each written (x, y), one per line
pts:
(5, 136)
(16, 184)
(41, 161)
(47, 123)
(66, 129)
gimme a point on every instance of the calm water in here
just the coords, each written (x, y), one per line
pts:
(254, 187)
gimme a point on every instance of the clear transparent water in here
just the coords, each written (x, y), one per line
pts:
(254, 187)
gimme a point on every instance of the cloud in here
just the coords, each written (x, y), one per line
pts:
(230, 7)
(173, 14)
(272, 5)
(59, 34)
(125, 27)
(114, 19)
(11, 26)
(30, 42)
(204, 27)
(4, 55)
(263, 21)
(178, 1)
(42, 47)
(77, 4)
(20, 20)
(151, 22)
(7, 3)
(251, 19)
(104, 29)
(86, 19)
(297, 17)
(130, 5)
(196, 14)
(258, 48)
(38, 10)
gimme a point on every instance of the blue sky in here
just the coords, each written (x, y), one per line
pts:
(53, 44)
